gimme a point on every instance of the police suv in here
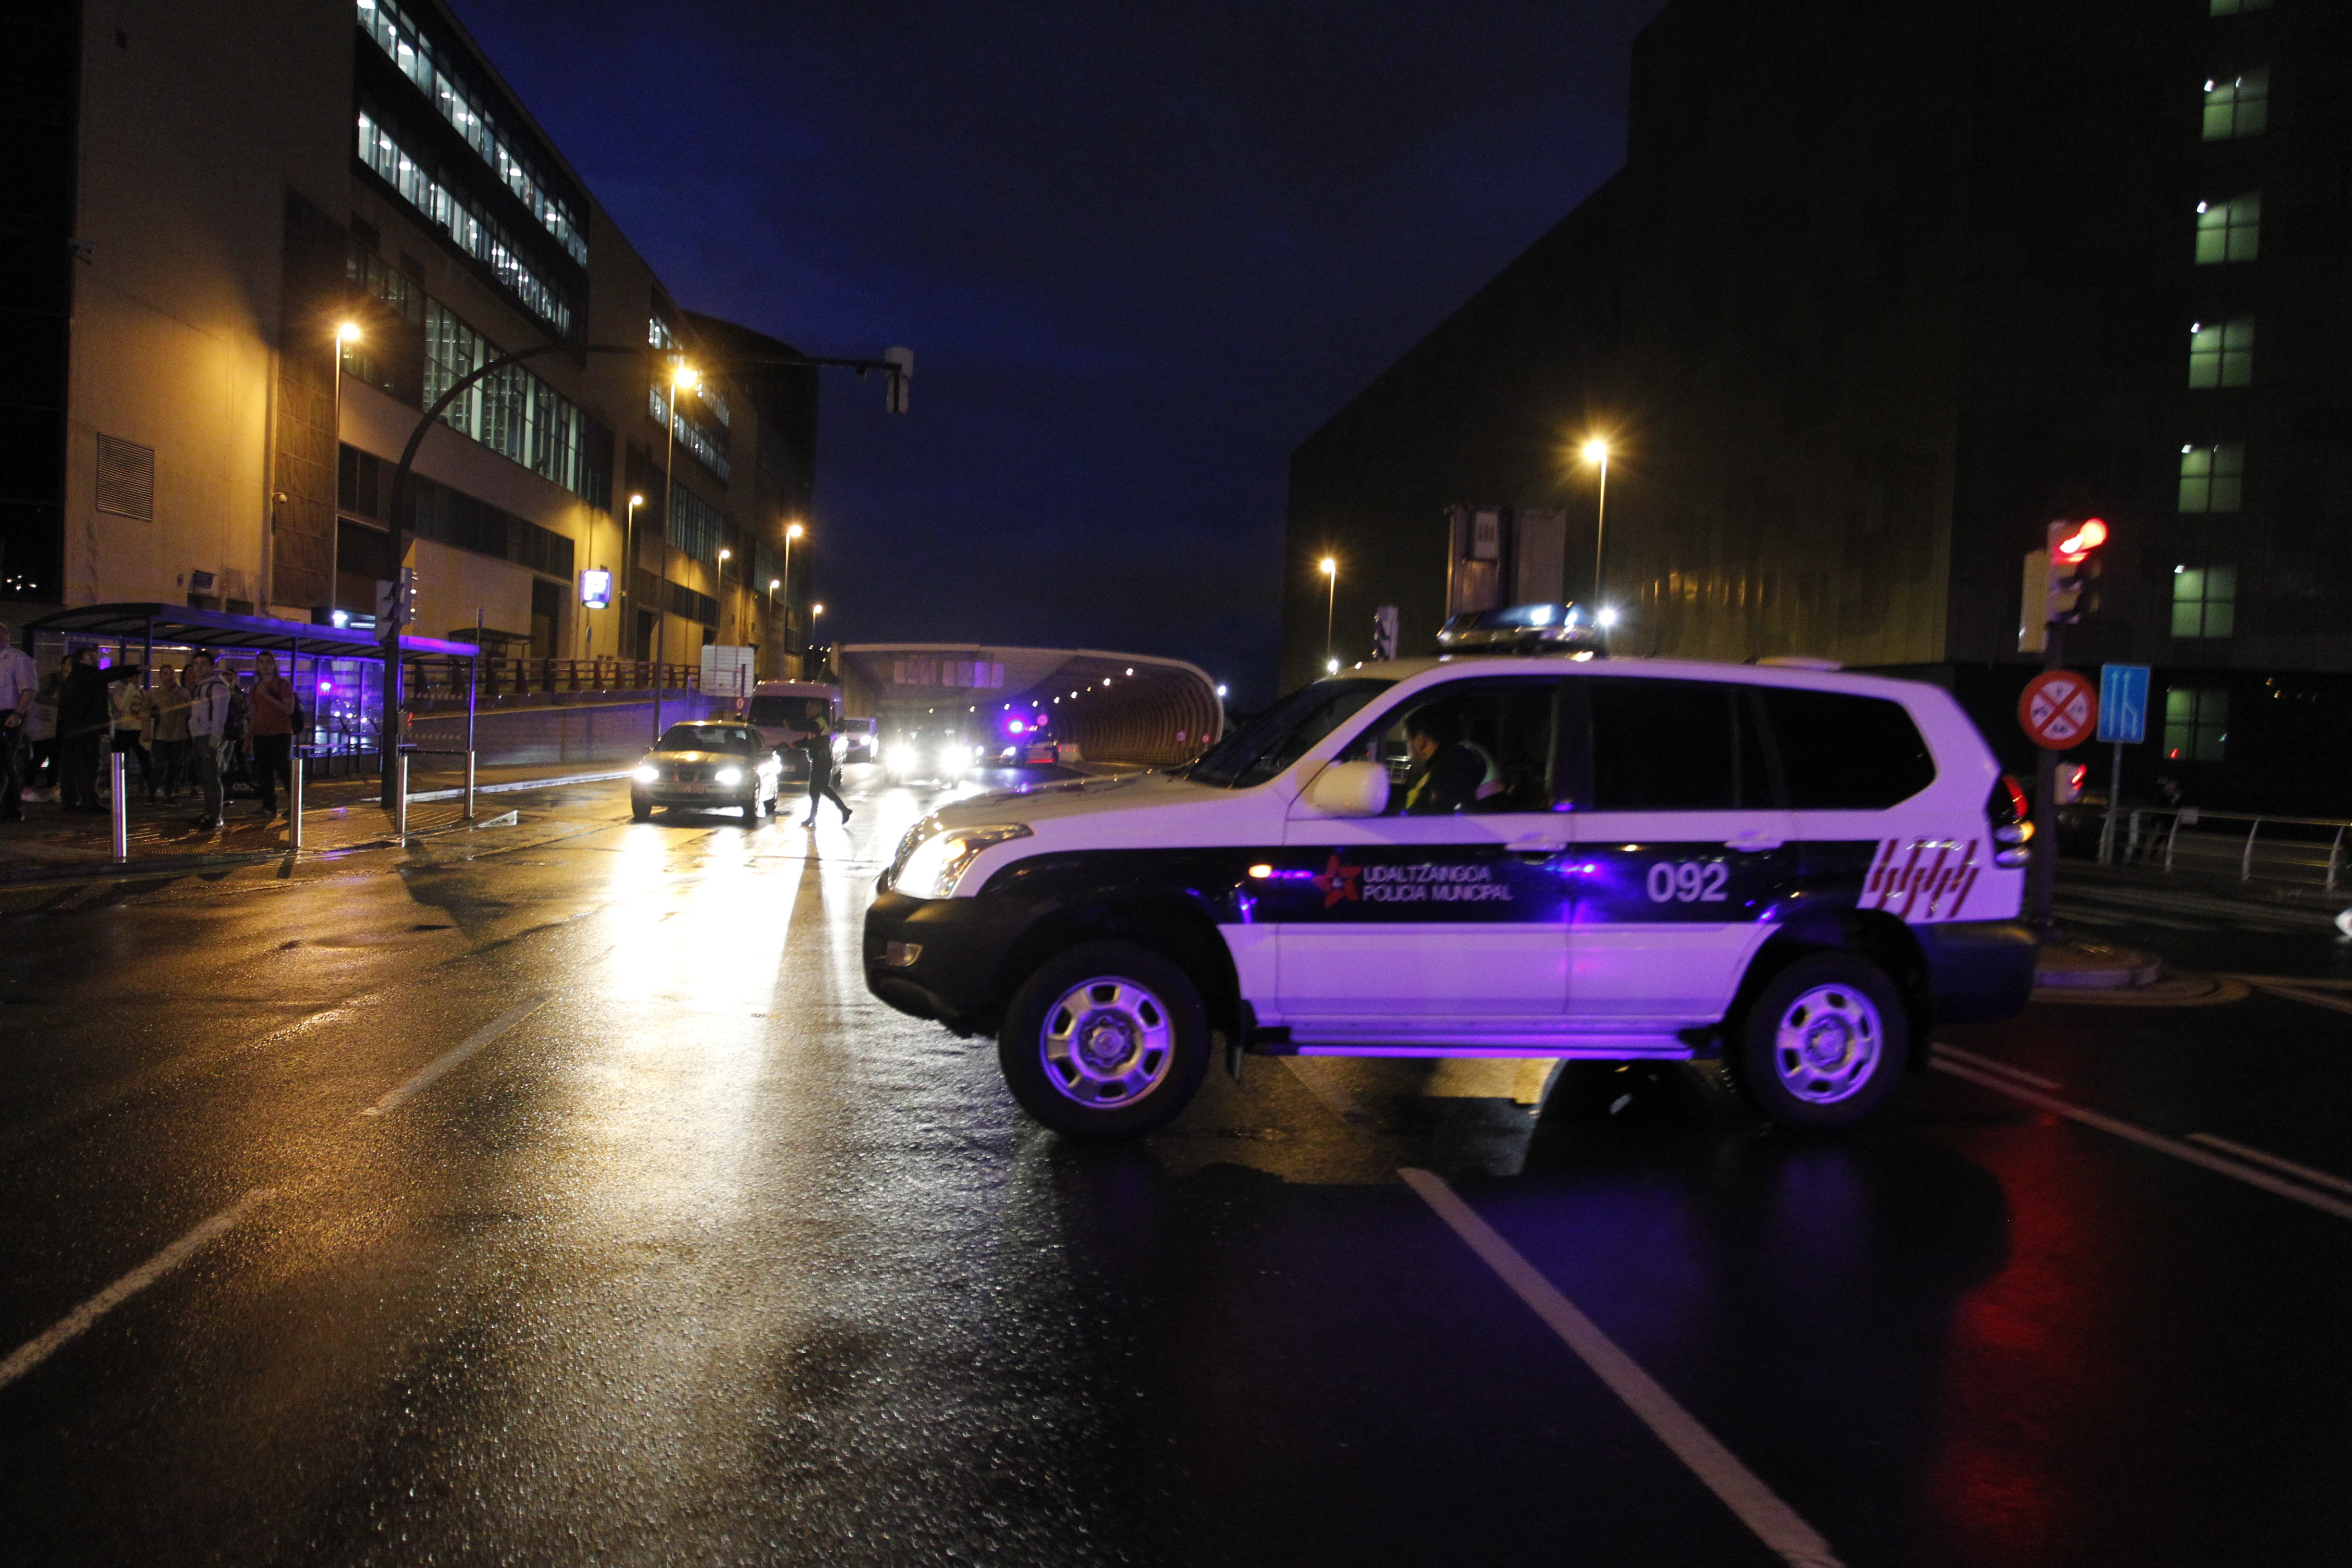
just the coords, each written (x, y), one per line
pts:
(1795, 870)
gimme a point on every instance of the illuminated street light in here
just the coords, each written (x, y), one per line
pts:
(1595, 452)
(683, 377)
(347, 333)
(1331, 667)
(1329, 567)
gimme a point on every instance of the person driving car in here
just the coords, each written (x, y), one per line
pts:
(1449, 772)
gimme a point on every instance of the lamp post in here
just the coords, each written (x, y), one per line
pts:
(1330, 570)
(682, 378)
(1596, 451)
(725, 555)
(628, 571)
(791, 531)
(348, 332)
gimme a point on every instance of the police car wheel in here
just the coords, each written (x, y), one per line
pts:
(1106, 1040)
(1824, 1045)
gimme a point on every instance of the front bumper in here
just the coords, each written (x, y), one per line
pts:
(937, 958)
(734, 795)
(1979, 971)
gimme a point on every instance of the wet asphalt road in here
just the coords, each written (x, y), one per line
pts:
(557, 1194)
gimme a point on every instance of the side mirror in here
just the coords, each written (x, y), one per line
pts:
(1350, 789)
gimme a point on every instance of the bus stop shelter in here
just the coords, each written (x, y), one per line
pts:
(339, 670)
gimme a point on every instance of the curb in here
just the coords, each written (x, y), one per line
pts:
(2081, 965)
(153, 865)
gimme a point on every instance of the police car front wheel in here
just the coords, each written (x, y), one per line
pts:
(1108, 1039)
(1823, 1046)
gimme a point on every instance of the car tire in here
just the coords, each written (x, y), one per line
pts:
(752, 810)
(1108, 1039)
(1823, 1044)
(640, 809)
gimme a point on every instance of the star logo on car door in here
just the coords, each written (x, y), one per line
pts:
(1338, 881)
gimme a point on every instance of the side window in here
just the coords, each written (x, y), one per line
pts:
(1470, 746)
(1843, 753)
(1674, 745)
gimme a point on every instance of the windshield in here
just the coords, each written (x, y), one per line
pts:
(786, 712)
(708, 738)
(1280, 736)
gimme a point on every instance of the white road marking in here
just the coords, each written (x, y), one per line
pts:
(1776, 1524)
(2252, 1176)
(36, 1351)
(454, 1055)
(2300, 1173)
(1988, 1065)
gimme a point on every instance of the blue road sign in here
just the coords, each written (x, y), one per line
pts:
(2123, 703)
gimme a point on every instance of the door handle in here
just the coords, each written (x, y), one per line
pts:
(1760, 839)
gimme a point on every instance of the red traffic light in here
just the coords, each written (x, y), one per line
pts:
(2083, 540)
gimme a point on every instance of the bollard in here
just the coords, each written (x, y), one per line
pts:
(121, 808)
(469, 786)
(400, 819)
(294, 804)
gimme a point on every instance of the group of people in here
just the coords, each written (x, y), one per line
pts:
(184, 728)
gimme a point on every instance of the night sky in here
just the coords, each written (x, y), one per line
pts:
(1140, 251)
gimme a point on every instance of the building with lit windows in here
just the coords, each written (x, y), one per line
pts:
(253, 243)
(1879, 292)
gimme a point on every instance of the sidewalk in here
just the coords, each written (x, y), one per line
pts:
(340, 815)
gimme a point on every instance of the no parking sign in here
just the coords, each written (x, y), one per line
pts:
(2059, 710)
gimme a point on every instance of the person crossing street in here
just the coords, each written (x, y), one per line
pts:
(818, 744)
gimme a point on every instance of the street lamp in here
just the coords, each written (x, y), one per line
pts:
(791, 531)
(1596, 452)
(1330, 570)
(348, 332)
(628, 570)
(683, 377)
(725, 555)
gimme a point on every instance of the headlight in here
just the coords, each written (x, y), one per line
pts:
(902, 758)
(933, 867)
(646, 774)
(727, 777)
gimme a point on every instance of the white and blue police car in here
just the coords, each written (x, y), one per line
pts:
(1796, 869)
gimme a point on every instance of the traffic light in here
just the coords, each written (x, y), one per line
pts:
(901, 373)
(2074, 552)
(395, 602)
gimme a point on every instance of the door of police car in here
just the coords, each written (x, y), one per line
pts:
(1683, 850)
(1455, 904)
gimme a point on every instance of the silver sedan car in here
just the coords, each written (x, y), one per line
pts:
(719, 763)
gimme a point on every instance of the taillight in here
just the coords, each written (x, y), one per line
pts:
(2010, 819)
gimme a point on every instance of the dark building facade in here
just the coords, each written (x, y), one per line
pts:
(250, 244)
(1879, 293)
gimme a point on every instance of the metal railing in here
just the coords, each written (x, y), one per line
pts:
(2298, 851)
(436, 676)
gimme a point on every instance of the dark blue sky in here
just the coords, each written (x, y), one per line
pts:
(1140, 251)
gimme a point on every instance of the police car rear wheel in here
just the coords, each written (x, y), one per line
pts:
(1824, 1045)
(1105, 1040)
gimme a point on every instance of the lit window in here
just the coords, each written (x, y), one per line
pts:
(2196, 723)
(2237, 106)
(2204, 601)
(2231, 7)
(468, 229)
(2221, 353)
(2213, 478)
(2230, 230)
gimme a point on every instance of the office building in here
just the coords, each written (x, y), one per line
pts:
(1879, 293)
(251, 244)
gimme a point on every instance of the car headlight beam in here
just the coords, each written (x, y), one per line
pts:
(933, 867)
(730, 776)
(647, 773)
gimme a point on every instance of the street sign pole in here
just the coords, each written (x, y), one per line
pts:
(2042, 881)
(2123, 721)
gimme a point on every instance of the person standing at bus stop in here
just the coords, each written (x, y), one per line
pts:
(207, 729)
(20, 681)
(272, 728)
